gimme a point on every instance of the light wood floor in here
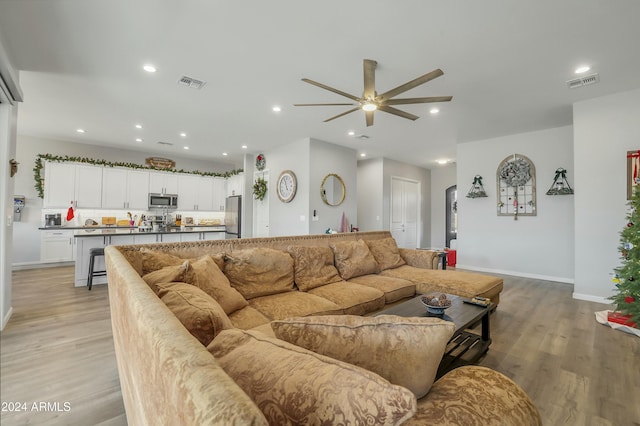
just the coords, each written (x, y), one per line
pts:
(58, 348)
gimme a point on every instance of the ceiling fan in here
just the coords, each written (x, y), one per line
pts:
(371, 101)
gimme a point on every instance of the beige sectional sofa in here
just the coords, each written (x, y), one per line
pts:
(277, 331)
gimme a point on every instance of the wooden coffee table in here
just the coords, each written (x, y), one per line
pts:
(465, 347)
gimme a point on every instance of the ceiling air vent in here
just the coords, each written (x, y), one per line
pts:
(191, 82)
(165, 143)
(583, 81)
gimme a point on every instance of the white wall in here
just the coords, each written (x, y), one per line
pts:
(8, 126)
(442, 178)
(374, 192)
(539, 246)
(604, 130)
(26, 236)
(370, 196)
(289, 218)
(329, 158)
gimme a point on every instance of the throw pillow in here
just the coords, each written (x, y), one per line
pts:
(205, 274)
(198, 312)
(313, 266)
(259, 271)
(294, 386)
(166, 275)
(386, 253)
(405, 351)
(353, 259)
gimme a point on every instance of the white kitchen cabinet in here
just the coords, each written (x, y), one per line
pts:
(170, 238)
(67, 182)
(195, 193)
(235, 185)
(219, 193)
(214, 235)
(56, 245)
(125, 189)
(163, 183)
(192, 236)
(143, 238)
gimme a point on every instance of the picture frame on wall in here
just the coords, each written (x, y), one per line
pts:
(633, 171)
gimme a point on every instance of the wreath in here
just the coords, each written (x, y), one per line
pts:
(260, 189)
(516, 172)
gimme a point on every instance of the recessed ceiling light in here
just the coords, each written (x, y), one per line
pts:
(351, 133)
(138, 126)
(276, 109)
(363, 155)
(138, 140)
(186, 147)
(582, 69)
(443, 161)
(225, 154)
(149, 68)
(434, 110)
(183, 134)
(244, 147)
(81, 131)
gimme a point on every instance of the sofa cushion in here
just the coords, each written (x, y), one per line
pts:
(247, 318)
(166, 275)
(293, 386)
(152, 260)
(386, 253)
(476, 395)
(466, 284)
(394, 289)
(259, 271)
(313, 266)
(205, 274)
(196, 310)
(354, 299)
(353, 259)
(293, 304)
(405, 351)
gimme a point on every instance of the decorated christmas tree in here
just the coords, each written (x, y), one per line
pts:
(627, 277)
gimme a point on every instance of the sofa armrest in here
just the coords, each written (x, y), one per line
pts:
(426, 259)
(476, 395)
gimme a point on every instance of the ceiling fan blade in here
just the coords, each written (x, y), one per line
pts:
(369, 79)
(323, 104)
(369, 116)
(397, 112)
(411, 84)
(344, 113)
(407, 101)
(331, 89)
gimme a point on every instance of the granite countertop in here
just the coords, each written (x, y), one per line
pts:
(100, 231)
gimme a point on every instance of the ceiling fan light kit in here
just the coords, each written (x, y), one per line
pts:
(371, 101)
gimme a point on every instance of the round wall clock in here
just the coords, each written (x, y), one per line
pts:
(286, 186)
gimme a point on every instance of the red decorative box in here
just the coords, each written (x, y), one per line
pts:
(620, 319)
(451, 258)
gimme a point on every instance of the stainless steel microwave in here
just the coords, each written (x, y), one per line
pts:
(163, 201)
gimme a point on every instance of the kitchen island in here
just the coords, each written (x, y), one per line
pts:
(99, 237)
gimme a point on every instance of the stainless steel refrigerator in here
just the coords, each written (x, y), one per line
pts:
(232, 216)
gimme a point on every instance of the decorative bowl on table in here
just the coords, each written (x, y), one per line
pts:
(436, 304)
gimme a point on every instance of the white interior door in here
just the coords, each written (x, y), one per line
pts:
(261, 209)
(405, 212)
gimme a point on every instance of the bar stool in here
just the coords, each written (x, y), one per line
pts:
(92, 255)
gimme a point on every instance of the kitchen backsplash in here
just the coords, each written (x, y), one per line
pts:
(82, 215)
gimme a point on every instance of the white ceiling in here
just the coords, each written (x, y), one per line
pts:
(505, 63)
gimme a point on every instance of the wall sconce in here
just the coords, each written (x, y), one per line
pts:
(560, 185)
(477, 190)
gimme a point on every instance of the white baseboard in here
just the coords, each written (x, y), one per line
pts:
(6, 318)
(592, 298)
(35, 265)
(517, 274)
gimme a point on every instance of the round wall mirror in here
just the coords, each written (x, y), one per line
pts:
(332, 190)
